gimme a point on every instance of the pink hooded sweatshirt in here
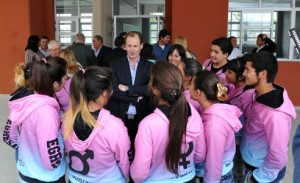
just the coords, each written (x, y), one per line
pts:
(150, 149)
(242, 97)
(266, 135)
(35, 119)
(103, 156)
(221, 74)
(63, 96)
(194, 103)
(220, 121)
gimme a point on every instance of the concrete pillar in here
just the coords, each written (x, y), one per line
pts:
(102, 20)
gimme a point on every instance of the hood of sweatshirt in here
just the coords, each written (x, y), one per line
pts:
(83, 144)
(194, 125)
(228, 113)
(20, 93)
(21, 108)
(278, 100)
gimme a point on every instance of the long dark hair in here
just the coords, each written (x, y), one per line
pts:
(171, 91)
(238, 66)
(33, 43)
(45, 73)
(191, 66)
(208, 82)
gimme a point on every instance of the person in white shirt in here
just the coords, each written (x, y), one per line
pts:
(235, 51)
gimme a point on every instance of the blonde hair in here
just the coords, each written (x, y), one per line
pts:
(182, 41)
(86, 86)
(23, 73)
(19, 75)
(69, 56)
(222, 92)
(77, 108)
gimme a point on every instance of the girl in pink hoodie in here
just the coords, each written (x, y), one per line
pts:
(241, 96)
(220, 121)
(96, 142)
(170, 141)
(189, 67)
(23, 73)
(35, 124)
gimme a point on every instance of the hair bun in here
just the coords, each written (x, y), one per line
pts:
(222, 92)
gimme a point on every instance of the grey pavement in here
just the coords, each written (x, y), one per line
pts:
(9, 174)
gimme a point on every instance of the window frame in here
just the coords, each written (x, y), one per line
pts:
(291, 9)
(79, 24)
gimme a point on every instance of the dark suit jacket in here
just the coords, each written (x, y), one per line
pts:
(117, 53)
(270, 46)
(120, 100)
(84, 54)
(100, 57)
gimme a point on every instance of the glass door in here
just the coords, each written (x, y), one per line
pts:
(148, 25)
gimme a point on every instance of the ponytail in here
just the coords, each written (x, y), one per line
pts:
(178, 121)
(86, 85)
(23, 74)
(171, 91)
(19, 76)
(78, 104)
(222, 92)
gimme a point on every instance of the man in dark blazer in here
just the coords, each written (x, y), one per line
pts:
(130, 99)
(100, 49)
(83, 53)
(264, 44)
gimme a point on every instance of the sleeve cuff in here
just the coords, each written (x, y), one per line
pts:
(253, 180)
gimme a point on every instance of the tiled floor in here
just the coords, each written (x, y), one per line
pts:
(9, 174)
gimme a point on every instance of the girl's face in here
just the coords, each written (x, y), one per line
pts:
(174, 58)
(230, 76)
(61, 84)
(193, 90)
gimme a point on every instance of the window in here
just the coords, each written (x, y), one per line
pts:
(140, 15)
(278, 4)
(234, 25)
(249, 18)
(73, 17)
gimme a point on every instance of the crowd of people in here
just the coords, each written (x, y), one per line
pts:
(149, 113)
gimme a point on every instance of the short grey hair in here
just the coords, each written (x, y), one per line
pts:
(53, 43)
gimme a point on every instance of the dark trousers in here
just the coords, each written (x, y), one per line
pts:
(32, 180)
(280, 175)
(132, 127)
